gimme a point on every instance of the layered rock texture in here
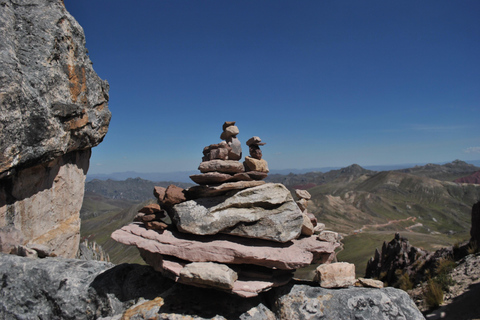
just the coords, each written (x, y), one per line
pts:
(53, 109)
(54, 288)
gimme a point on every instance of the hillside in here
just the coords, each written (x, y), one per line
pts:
(447, 172)
(366, 207)
(135, 189)
(473, 178)
(110, 204)
(312, 179)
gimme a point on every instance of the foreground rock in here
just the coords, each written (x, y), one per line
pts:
(53, 108)
(55, 288)
(306, 302)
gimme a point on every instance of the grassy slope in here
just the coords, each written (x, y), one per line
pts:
(100, 228)
(370, 209)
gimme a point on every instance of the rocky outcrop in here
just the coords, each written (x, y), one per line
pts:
(54, 288)
(475, 228)
(53, 109)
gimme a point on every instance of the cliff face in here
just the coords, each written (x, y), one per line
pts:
(53, 109)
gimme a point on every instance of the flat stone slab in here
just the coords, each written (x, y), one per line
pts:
(246, 286)
(228, 249)
(224, 166)
(196, 192)
(210, 178)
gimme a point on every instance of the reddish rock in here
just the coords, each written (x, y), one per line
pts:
(216, 151)
(211, 191)
(473, 178)
(173, 195)
(211, 178)
(148, 217)
(159, 193)
(228, 249)
(156, 225)
(312, 218)
(151, 208)
(224, 166)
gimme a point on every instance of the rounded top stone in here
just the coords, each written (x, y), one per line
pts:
(228, 124)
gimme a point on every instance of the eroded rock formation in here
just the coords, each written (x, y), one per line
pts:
(54, 109)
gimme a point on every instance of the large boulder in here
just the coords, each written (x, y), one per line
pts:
(266, 212)
(54, 109)
(52, 100)
(307, 302)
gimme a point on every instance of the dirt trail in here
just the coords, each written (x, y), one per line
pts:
(381, 225)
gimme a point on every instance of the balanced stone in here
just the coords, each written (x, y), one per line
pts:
(303, 194)
(196, 192)
(224, 166)
(211, 178)
(255, 141)
(256, 165)
(236, 152)
(229, 132)
(208, 274)
(335, 275)
(241, 214)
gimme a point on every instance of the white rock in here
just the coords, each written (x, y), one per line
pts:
(335, 275)
(208, 274)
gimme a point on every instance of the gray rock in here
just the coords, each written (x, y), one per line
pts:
(53, 110)
(307, 302)
(270, 205)
(54, 288)
(52, 101)
(236, 152)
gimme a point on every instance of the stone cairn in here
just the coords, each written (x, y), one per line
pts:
(232, 231)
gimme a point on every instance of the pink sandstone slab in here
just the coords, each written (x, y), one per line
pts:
(295, 254)
(247, 286)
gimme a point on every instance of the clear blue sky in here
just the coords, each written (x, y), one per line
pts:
(324, 83)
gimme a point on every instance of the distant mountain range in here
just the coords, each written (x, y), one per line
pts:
(183, 176)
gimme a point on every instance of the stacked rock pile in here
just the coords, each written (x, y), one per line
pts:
(240, 234)
(220, 162)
